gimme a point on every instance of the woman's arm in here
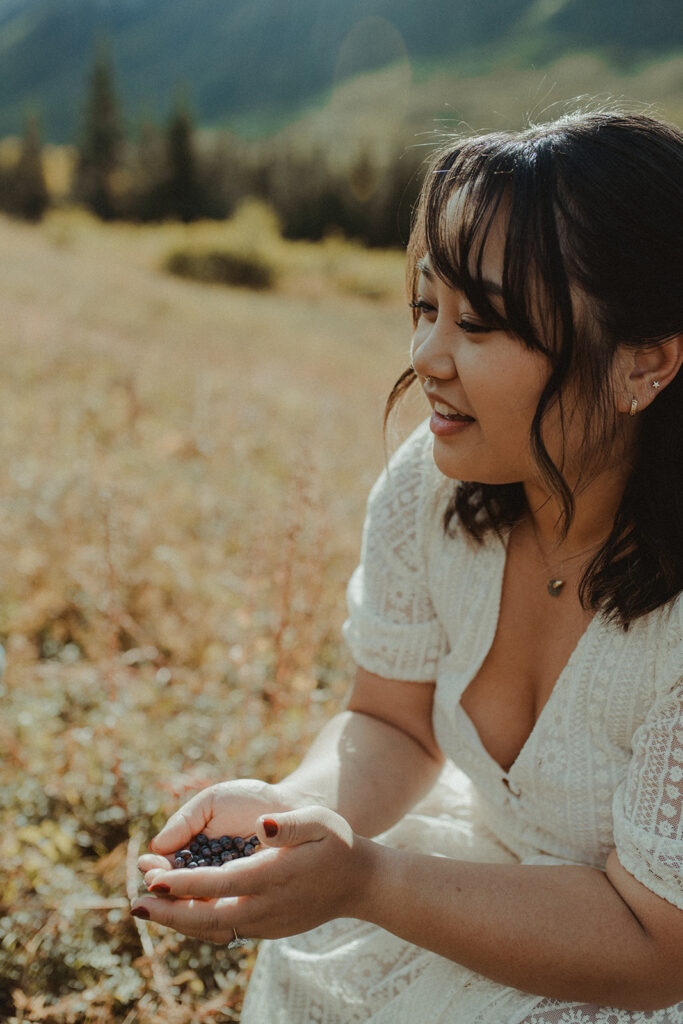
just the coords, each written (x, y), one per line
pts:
(372, 762)
(567, 932)
(564, 932)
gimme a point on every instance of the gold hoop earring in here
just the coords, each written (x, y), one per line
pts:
(634, 406)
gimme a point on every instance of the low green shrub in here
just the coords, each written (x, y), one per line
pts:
(223, 266)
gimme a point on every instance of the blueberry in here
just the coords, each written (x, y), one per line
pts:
(204, 852)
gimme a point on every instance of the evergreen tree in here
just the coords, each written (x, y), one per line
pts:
(185, 193)
(101, 155)
(24, 190)
(176, 188)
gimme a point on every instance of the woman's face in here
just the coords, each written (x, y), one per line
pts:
(486, 384)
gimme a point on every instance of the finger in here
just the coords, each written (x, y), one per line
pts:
(292, 828)
(204, 919)
(237, 878)
(157, 879)
(186, 823)
(150, 861)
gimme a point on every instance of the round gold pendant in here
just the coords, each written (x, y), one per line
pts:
(555, 587)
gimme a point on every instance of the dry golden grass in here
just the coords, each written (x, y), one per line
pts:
(185, 470)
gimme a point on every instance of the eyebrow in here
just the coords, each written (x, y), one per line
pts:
(492, 287)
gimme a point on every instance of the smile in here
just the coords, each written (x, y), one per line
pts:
(448, 413)
(448, 425)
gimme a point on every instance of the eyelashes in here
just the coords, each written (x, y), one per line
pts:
(422, 306)
(468, 326)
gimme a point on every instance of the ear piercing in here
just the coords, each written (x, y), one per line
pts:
(634, 401)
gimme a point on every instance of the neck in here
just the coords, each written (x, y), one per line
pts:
(596, 505)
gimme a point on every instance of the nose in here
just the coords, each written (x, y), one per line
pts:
(431, 352)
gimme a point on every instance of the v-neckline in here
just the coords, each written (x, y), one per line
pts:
(506, 772)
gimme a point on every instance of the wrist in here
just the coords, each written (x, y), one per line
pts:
(371, 872)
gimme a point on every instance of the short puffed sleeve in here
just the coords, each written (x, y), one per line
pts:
(648, 805)
(392, 628)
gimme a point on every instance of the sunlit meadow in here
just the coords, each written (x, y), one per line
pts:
(185, 468)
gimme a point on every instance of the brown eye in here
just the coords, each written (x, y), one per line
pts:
(470, 327)
(422, 307)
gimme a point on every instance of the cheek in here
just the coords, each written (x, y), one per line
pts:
(505, 395)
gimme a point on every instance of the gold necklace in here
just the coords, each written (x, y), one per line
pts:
(554, 584)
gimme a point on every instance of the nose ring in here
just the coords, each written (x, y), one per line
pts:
(427, 380)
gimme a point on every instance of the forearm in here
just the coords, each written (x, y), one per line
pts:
(368, 771)
(561, 932)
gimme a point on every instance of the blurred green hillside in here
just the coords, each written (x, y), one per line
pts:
(254, 65)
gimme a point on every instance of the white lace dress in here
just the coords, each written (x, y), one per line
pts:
(603, 766)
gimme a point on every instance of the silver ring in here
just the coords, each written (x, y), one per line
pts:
(238, 941)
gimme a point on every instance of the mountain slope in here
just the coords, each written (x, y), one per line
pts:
(259, 61)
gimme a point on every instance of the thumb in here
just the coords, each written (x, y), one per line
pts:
(187, 822)
(304, 825)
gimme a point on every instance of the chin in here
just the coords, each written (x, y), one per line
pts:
(471, 469)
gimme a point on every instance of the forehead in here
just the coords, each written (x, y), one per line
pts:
(465, 235)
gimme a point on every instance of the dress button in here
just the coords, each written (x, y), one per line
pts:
(511, 787)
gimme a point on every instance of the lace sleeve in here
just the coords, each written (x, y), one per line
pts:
(648, 806)
(392, 629)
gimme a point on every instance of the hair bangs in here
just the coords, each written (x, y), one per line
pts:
(460, 201)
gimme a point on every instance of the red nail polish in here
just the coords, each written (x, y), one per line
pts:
(160, 887)
(270, 827)
(140, 912)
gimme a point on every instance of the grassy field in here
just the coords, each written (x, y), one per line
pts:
(184, 473)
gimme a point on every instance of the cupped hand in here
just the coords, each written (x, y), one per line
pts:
(312, 868)
(227, 808)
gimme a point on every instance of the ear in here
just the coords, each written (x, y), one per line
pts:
(643, 373)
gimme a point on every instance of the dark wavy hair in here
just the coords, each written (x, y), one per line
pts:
(594, 206)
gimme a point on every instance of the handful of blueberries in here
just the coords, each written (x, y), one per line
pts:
(204, 852)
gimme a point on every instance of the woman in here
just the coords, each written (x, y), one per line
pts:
(525, 622)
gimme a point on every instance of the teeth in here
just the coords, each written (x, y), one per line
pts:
(446, 410)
